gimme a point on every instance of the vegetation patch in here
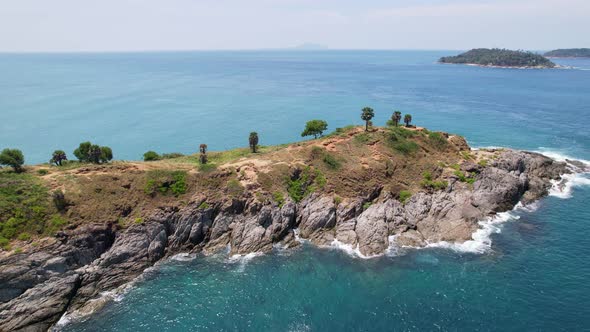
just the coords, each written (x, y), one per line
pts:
(437, 140)
(278, 198)
(25, 208)
(304, 182)
(428, 183)
(404, 195)
(399, 139)
(166, 182)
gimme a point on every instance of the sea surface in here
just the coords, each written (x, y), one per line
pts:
(533, 273)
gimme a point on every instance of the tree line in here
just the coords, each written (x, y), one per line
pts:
(93, 153)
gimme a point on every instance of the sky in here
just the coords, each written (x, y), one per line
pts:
(139, 25)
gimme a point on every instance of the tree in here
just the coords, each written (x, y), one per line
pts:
(94, 154)
(203, 156)
(407, 119)
(315, 128)
(253, 140)
(88, 152)
(106, 154)
(82, 151)
(367, 114)
(151, 156)
(58, 157)
(396, 117)
(13, 158)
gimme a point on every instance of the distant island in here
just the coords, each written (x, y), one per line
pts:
(500, 58)
(569, 53)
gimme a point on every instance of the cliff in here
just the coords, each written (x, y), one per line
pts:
(368, 191)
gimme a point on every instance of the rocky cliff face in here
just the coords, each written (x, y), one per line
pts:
(37, 288)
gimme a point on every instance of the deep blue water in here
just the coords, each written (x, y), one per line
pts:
(536, 277)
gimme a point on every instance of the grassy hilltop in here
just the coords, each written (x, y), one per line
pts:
(349, 162)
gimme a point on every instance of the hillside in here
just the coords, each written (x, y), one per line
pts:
(499, 58)
(569, 53)
(344, 164)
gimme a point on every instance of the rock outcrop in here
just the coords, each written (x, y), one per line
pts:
(37, 288)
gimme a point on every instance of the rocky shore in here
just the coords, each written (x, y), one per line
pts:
(65, 275)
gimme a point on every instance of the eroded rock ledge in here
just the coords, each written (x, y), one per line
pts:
(37, 288)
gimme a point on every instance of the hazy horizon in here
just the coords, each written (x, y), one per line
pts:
(32, 26)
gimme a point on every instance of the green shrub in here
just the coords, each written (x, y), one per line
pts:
(466, 155)
(404, 195)
(406, 147)
(166, 182)
(316, 152)
(437, 140)
(427, 176)
(18, 250)
(331, 161)
(24, 236)
(234, 187)
(307, 182)
(460, 175)
(151, 156)
(42, 171)
(139, 220)
(278, 197)
(171, 155)
(337, 200)
(363, 138)
(206, 168)
(204, 205)
(483, 163)
(4, 243)
(366, 205)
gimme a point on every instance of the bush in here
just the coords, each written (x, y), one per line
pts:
(206, 168)
(58, 157)
(24, 236)
(151, 156)
(278, 197)
(42, 171)
(172, 155)
(59, 200)
(203, 206)
(305, 182)
(366, 205)
(4, 243)
(399, 140)
(437, 140)
(406, 147)
(331, 161)
(460, 175)
(13, 158)
(404, 195)
(166, 182)
(234, 188)
(483, 163)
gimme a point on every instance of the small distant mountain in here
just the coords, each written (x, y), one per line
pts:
(569, 53)
(310, 47)
(496, 57)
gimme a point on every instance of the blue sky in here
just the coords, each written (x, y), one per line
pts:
(134, 25)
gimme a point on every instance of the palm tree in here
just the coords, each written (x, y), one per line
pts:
(396, 117)
(407, 119)
(253, 141)
(367, 115)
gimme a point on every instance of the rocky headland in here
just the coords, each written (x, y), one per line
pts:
(352, 188)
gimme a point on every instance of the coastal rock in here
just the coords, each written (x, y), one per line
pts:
(39, 307)
(317, 214)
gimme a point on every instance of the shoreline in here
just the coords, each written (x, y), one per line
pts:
(479, 245)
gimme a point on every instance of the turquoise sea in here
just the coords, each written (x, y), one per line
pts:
(535, 277)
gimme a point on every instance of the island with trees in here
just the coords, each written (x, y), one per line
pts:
(569, 53)
(501, 58)
(71, 230)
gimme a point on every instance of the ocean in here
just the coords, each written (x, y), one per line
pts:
(534, 274)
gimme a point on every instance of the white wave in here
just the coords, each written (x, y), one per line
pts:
(560, 156)
(481, 239)
(298, 238)
(350, 250)
(183, 257)
(243, 260)
(115, 295)
(564, 188)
